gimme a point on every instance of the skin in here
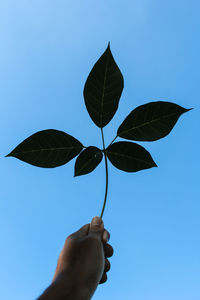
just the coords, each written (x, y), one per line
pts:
(82, 264)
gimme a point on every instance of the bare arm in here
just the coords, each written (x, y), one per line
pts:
(82, 264)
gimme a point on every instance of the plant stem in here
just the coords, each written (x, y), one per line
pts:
(106, 167)
(113, 140)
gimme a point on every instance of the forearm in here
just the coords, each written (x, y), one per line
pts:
(66, 288)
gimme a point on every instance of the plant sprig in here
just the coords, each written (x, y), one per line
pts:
(102, 91)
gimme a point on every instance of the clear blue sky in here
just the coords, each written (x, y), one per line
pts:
(47, 50)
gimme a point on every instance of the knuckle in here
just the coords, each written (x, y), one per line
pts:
(69, 238)
(106, 236)
(103, 279)
(107, 265)
(108, 250)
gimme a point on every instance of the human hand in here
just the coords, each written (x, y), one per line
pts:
(84, 255)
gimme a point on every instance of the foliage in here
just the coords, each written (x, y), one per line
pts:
(102, 91)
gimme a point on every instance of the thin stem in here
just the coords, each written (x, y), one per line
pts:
(106, 190)
(113, 140)
(106, 167)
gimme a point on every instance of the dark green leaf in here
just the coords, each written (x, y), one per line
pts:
(88, 160)
(151, 121)
(103, 89)
(48, 149)
(129, 157)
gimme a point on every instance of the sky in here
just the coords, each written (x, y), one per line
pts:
(47, 51)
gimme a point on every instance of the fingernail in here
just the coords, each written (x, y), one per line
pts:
(96, 221)
(106, 236)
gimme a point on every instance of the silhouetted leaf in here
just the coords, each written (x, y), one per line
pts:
(129, 157)
(103, 89)
(48, 149)
(151, 121)
(88, 160)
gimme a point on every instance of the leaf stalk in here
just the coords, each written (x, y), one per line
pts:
(106, 168)
(113, 140)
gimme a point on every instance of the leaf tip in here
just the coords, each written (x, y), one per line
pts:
(187, 109)
(8, 155)
(155, 165)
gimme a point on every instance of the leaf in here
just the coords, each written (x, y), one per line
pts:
(103, 89)
(88, 160)
(129, 157)
(151, 121)
(48, 149)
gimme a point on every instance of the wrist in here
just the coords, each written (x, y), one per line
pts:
(68, 287)
(74, 286)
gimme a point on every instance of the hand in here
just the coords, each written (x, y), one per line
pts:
(84, 255)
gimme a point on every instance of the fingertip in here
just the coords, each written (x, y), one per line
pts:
(96, 225)
(96, 221)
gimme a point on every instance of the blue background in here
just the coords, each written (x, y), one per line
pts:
(47, 51)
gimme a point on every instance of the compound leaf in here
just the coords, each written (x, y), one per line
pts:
(88, 160)
(103, 89)
(151, 121)
(129, 157)
(48, 149)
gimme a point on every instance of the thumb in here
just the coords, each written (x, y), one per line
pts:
(96, 227)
